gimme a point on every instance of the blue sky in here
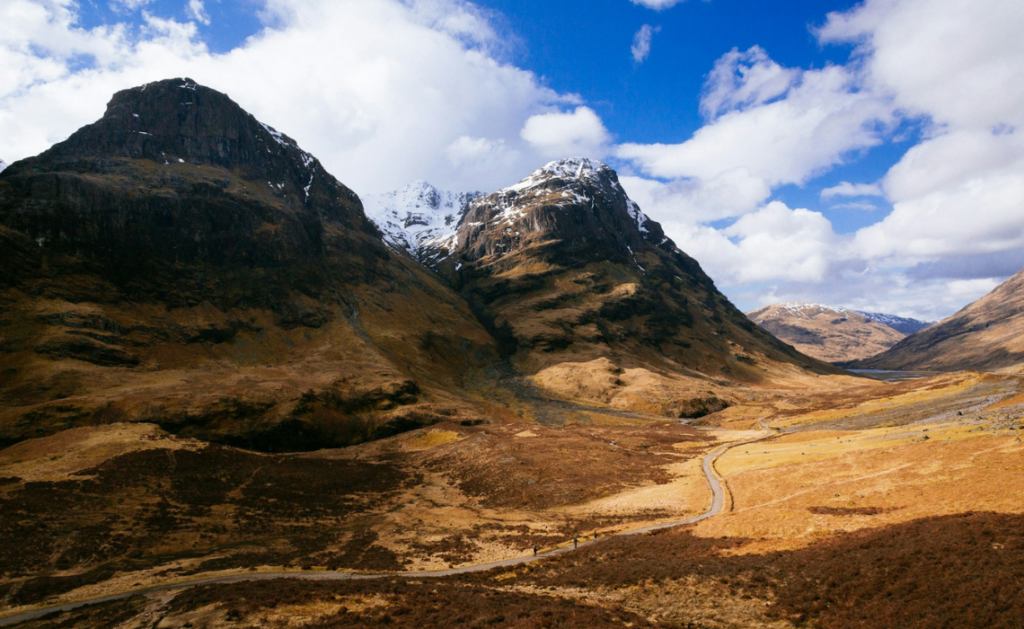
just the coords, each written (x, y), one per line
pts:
(833, 151)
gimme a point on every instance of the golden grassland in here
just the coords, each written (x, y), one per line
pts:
(837, 457)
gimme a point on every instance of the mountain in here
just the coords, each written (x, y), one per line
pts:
(418, 218)
(900, 324)
(180, 262)
(988, 334)
(827, 333)
(3, 165)
(579, 285)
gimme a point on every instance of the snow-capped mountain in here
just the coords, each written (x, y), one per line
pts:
(900, 324)
(418, 218)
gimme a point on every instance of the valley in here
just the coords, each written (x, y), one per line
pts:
(230, 398)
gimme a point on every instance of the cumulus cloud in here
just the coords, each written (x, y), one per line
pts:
(847, 189)
(413, 80)
(961, 190)
(788, 140)
(564, 134)
(957, 195)
(740, 80)
(728, 194)
(641, 47)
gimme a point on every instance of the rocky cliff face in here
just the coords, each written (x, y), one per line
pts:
(179, 240)
(564, 267)
(986, 335)
(827, 333)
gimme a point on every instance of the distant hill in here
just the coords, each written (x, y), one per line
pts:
(900, 324)
(987, 334)
(829, 333)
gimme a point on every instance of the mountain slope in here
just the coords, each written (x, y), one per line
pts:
(826, 332)
(179, 262)
(418, 218)
(579, 284)
(987, 334)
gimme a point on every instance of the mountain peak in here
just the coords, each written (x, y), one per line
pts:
(571, 169)
(418, 217)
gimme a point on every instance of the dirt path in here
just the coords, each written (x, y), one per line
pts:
(717, 502)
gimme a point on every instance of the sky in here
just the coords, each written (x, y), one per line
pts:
(860, 154)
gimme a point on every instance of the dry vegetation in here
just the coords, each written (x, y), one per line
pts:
(845, 518)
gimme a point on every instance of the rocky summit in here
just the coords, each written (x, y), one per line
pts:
(566, 270)
(182, 263)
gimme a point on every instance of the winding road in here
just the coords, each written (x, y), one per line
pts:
(717, 503)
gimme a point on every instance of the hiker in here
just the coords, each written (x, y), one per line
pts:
(595, 536)
(534, 550)
(575, 542)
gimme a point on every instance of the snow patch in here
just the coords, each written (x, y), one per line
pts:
(419, 218)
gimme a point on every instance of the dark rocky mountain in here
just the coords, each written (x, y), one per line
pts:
(565, 268)
(986, 335)
(828, 333)
(180, 262)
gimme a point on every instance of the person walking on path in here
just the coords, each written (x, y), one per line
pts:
(534, 550)
(576, 542)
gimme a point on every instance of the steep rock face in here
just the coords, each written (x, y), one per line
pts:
(987, 334)
(827, 333)
(419, 218)
(179, 240)
(565, 268)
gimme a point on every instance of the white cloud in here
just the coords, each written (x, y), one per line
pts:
(377, 89)
(961, 190)
(641, 47)
(197, 12)
(789, 140)
(957, 61)
(740, 80)
(731, 193)
(657, 5)
(564, 134)
(847, 189)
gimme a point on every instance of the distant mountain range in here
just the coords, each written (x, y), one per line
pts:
(832, 333)
(900, 324)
